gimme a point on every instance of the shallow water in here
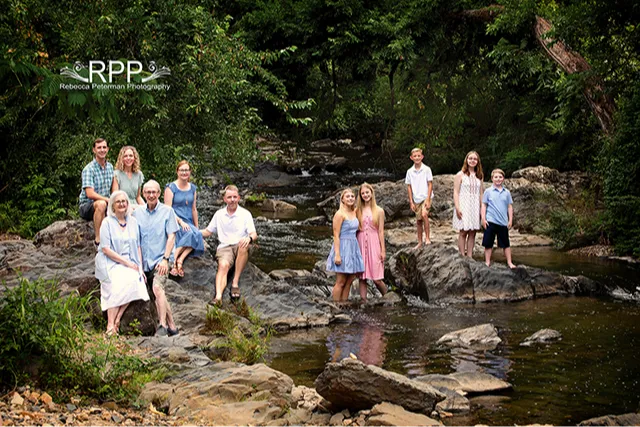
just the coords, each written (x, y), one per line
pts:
(592, 371)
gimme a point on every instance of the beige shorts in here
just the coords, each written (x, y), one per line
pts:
(155, 279)
(418, 210)
(228, 254)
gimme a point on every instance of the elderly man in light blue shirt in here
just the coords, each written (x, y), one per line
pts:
(158, 226)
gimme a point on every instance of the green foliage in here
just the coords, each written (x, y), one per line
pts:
(242, 343)
(620, 168)
(43, 341)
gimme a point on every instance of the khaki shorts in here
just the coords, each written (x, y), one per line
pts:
(228, 254)
(418, 210)
(153, 278)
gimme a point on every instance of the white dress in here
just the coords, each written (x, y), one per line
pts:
(119, 284)
(469, 203)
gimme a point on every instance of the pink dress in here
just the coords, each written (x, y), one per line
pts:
(369, 243)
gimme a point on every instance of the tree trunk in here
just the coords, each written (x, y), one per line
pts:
(571, 62)
(601, 104)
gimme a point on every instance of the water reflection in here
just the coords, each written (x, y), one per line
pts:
(365, 341)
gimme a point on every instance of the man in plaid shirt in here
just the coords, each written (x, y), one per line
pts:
(97, 178)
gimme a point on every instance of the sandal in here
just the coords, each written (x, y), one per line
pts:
(235, 292)
(215, 302)
(180, 270)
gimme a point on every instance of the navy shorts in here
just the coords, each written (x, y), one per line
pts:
(502, 231)
(86, 210)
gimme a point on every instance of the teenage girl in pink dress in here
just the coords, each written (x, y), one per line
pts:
(371, 240)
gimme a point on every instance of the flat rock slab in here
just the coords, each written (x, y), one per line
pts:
(387, 414)
(478, 382)
(541, 337)
(253, 394)
(631, 419)
(484, 337)
(465, 382)
(354, 385)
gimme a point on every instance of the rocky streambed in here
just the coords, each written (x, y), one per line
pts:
(326, 352)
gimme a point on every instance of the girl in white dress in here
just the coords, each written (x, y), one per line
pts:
(467, 198)
(119, 261)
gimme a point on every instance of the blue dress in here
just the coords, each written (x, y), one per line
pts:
(349, 250)
(182, 205)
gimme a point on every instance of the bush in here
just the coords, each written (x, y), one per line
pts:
(43, 341)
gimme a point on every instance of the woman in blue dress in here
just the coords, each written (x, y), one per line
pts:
(345, 258)
(181, 196)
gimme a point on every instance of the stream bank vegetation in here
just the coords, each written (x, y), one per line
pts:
(243, 336)
(46, 341)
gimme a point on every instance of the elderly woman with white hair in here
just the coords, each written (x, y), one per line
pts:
(119, 261)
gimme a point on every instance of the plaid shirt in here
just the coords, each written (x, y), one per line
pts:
(94, 176)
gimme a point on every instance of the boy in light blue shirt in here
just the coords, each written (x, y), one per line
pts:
(497, 217)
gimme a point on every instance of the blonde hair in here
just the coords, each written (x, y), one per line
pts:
(465, 166)
(135, 167)
(230, 187)
(112, 203)
(500, 171)
(360, 205)
(416, 149)
(342, 193)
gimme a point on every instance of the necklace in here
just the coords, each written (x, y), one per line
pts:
(122, 224)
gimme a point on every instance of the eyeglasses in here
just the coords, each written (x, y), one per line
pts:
(151, 192)
(184, 170)
(121, 202)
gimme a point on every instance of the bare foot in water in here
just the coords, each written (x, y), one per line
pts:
(512, 265)
(427, 242)
(418, 246)
(488, 264)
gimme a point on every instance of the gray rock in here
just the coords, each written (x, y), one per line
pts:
(483, 337)
(222, 393)
(439, 381)
(632, 419)
(542, 336)
(455, 402)
(478, 382)
(437, 273)
(387, 414)
(277, 206)
(352, 384)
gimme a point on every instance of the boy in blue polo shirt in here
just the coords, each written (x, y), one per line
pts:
(497, 217)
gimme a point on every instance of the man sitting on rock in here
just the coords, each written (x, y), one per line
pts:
(158, 226)
(97, 178)
(236, 232)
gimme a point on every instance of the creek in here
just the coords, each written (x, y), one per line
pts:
(593, 371)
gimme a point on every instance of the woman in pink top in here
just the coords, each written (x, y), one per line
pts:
(371, 240)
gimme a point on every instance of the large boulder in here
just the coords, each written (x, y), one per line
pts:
(632, 419)
(277, 206)
(223, 394)
(354, 385)
(437, 273)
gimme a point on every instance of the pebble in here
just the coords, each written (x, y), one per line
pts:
(71, 407)
(116, 418)
(17, 399)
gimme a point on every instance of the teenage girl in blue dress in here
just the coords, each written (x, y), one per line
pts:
(345, 258)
